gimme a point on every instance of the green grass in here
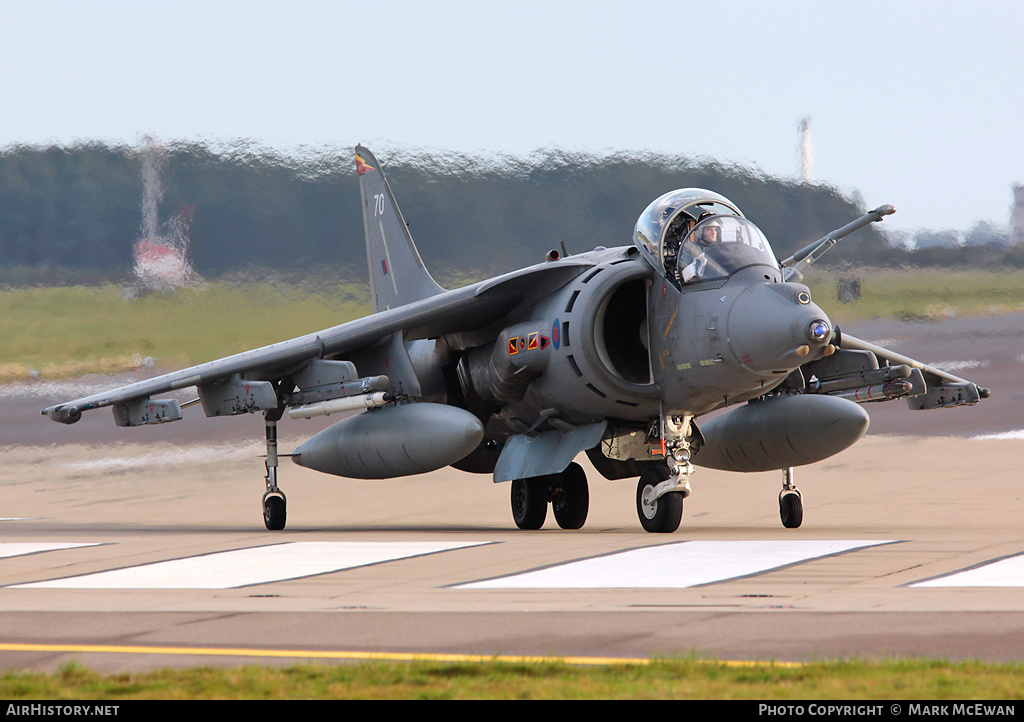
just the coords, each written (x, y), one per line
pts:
(70, 331)
(919, 295)
(669, 679)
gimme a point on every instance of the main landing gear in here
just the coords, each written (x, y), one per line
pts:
(567, 492)
(274, 502)
(791, 504)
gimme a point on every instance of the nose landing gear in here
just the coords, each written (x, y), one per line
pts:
(661, 489)
(660, 510)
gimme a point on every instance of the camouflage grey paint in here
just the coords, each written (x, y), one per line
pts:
(607, 351)
(392, 441)
(779, 432)
(397, 273)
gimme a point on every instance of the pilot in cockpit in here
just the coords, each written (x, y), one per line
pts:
(693, 250)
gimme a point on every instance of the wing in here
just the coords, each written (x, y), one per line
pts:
(860, 371)
(266, 378)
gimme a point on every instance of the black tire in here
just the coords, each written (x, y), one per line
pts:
(791, 509)
(530, 502)
(664, 514)
(274, 513)
(570, 498)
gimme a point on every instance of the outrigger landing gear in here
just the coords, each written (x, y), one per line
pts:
(274, 502)
(791, 505)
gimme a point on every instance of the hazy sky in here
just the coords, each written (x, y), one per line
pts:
(918, 104)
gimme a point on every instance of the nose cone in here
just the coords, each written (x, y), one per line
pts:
(775, 327)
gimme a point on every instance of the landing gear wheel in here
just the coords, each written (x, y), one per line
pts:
(274, 503)
(530, 502)
(570, 499)
(660, 515)
(791, 509)
(274, 512)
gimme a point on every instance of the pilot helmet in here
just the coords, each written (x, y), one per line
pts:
(703, 238)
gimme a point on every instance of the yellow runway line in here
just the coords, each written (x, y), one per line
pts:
(381, 656)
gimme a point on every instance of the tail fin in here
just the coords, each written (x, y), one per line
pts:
(397, 273)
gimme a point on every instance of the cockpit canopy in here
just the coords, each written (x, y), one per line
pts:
(695, 235)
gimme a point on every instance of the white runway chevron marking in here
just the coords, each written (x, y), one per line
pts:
(674, 566)
(16, 549)
(1003, 436)
(245, 567)
(1003, 573)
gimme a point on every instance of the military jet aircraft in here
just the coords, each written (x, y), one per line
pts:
(622, 353)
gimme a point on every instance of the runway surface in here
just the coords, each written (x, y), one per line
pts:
(143, 548)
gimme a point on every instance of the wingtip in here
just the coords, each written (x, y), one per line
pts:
(64, 414)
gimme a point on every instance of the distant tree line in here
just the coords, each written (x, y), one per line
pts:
(79, 208)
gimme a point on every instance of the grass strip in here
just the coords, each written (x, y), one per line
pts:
(53, 333)
(544, 679)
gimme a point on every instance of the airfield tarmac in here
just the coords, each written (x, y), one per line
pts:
(145, 548)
